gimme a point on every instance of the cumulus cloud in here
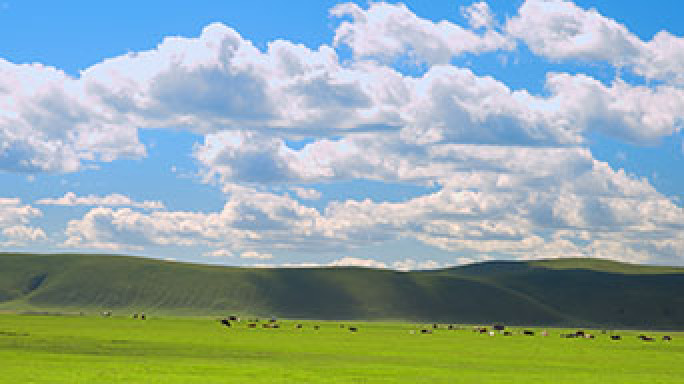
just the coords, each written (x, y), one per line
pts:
(219, 253)
(13, 212)
(14, 217)
(21, 235)
(115, 199)
(348, 261)
(511, 170)
(358, 262)
(220, 82)
(256, 255)
(541, 207)
(561, 30)
(388, 31)
(479, 15)
(49, 124)
(306, 193)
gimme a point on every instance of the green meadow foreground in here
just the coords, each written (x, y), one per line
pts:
(88, 349)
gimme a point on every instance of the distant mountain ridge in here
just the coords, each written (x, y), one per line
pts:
(562, 292)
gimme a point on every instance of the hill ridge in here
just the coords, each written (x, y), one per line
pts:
(548, 292)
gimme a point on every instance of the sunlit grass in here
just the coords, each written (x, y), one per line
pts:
(87, 349)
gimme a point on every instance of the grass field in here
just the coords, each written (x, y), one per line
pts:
(89, 349)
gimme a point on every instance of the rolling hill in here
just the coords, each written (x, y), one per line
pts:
(564, 292)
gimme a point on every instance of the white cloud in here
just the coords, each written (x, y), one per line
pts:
(256, 255)
(18, 235)
(410, 265)
(219, 253)
(479, 15)
(115, 199)
(306, 193)
(402, 265)
(14, 218)
(220, 82)
(388, 31)
(512, 169)
(358, 262)
(561, 30)
(519, 202)
(48, 122)
(12, 212)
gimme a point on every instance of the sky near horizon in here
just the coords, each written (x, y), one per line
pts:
(394, 135)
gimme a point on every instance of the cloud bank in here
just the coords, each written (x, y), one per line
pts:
(512, 170)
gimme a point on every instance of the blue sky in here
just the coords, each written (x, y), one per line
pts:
(398, 135)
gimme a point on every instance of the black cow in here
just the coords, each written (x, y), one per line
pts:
(615, 337)
(498, 327)
(425, 331)
(225, 322)
(353, 329)
(667, 338)
(528, 333)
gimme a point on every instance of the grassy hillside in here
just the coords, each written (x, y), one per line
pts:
(553, 292)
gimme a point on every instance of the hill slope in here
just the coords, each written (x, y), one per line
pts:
(553, 292)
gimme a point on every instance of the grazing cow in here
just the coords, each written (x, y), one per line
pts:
(299, 326)
(142, 316)
(317, 327)
(589, 336)
(645, 338)
(528, 333)
(251, 325)
(498, 327)
(579, 333)
(450, 327)
(483, 330)
(353, 329)
(425, 331)
(225, 322)
(233, 318)
(435, 326)
(667, 338)
(508, 333)
(615, 337)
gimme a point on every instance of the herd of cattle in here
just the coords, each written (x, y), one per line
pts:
(498, 329)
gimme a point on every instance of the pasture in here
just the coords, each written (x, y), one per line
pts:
(87, 349)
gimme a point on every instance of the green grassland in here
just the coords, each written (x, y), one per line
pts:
(90, 348)
(564, 292)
